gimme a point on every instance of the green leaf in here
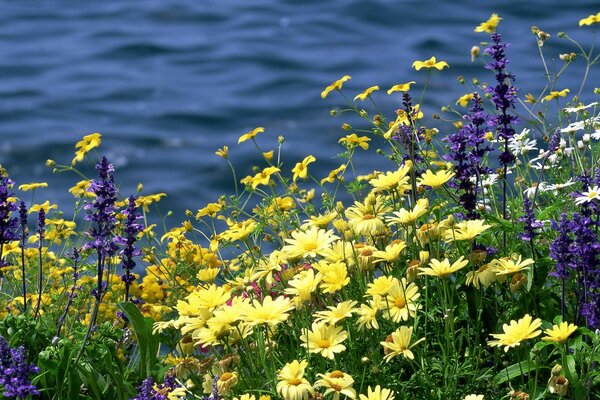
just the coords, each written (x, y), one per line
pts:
(147, 342)
(513, 371)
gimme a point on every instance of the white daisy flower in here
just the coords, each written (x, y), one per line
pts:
(572, 110)
(586, 197)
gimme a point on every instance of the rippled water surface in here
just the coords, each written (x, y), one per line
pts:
(168, 82)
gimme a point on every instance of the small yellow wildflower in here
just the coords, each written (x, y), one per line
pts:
(262, 178)
(555, 94)
(529, 98)
(401, 87)
(367, 93)
(81, 189)
(84, 146)
(268, 155)
(465, 99)
(431, 63)
(301, 168)
(592, 19)
(337, 85)
(490, 25)
(271, 311)
(352, 140)
(46, 206)
(559, 333)
(32, 186)
(211, 209)
(334, 174)
(251, 134)
(223, 152)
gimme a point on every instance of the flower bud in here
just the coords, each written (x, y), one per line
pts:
(475, 50)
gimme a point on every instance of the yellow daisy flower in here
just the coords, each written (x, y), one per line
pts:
(435, 180)
(592, 19)
(516, 332)
(334, 174)
(333, 276)
(490, 25)
(352, 140)
(401, 87)
(464, 99)
(392, 180)
(32, 186)
(378, 394)
(250, 135)
(262, 178)
(401, 300)
(270, 312)
(337, 313)
(367, 314)
(407, 217)
(399, 343)
(443, 269)
(366, 218)
(338, 383)
(431, 63)
(391, 253)
(559, 333)
(85, 145)
(292, 385)
(484, 276)
(81, 189)
(324, 339)
(466, 230)
(509, 266)
(555, 94)
(302, 286)
(309, 243)
(367, 93)
(380, 286)
(301, 168)
(337, 85)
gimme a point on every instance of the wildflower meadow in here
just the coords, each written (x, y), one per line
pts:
(467, 267)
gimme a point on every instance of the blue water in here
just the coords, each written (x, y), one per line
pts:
(169, 82)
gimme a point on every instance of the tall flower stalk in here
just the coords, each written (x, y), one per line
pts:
(130, 230)
(8, 224)
(504, 96)
(468, 149)
(23, 225)
(72, 293)
(40, 232)
(101, 212)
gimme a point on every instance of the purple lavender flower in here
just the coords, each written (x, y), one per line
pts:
(587, 249)
(148, 391)
(102, 214)
(131, 230)
(23, 224)
(8, 224)
(468, 149)
(504, 95)
(530, 223)
(15, 372)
